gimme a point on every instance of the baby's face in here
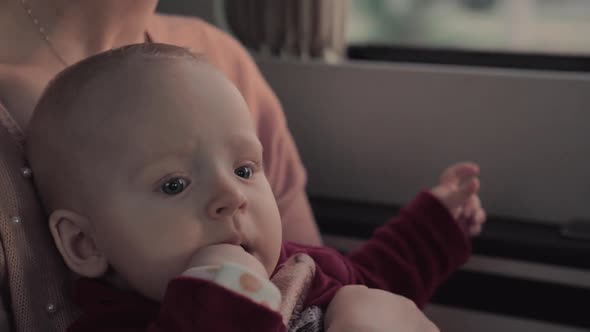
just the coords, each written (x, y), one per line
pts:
(178, 168)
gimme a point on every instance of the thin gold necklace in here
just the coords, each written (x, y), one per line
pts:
(44, 36)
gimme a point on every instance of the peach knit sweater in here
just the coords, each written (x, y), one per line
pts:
(34, 282)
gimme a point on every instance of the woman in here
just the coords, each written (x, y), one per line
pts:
(39, 38)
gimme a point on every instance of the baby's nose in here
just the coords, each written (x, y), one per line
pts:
(227, 202)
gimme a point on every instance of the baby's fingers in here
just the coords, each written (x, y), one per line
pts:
(471, 206)
(462, 194)
(458, 173)
(473, 216)
(477, 223)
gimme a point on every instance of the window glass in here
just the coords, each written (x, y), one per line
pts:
(537, 26)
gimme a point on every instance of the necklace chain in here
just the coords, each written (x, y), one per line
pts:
(42, 33)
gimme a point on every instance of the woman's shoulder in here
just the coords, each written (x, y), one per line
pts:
(8, 124)
(191, 32)
(219, 48)
(178, 22)
(20, 86)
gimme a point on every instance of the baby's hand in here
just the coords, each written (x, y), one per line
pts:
(457, 190)
(217, 254)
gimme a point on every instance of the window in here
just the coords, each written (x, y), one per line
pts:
(557, 27)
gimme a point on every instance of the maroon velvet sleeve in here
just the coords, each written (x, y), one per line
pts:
(414, 253)
(189, 305)
(411, 255)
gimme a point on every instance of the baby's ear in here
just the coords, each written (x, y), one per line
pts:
(72, 236)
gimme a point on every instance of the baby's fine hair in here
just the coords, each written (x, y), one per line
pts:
(49, 128)
(62, 91)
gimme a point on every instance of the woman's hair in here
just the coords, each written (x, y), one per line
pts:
(52, 133)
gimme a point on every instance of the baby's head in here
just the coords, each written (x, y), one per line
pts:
(144, 156)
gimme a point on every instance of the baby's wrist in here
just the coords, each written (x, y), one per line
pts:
(240, 280)
(459, 223)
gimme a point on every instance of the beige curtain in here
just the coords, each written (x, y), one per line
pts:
(300, 28)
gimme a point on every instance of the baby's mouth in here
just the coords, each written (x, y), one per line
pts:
(245, 247)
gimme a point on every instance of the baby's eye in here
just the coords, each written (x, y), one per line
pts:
(244, 172)
(174, 186)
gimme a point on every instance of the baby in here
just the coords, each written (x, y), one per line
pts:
(148, 163)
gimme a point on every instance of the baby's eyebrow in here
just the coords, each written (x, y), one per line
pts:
(162, 162)
(246, 142)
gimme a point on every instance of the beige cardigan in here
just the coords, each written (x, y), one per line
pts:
(34, 281)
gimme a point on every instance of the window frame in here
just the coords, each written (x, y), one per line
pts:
(473, 58)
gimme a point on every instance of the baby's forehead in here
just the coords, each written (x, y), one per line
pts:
(167, 98)
(156, 94)
(126, 92)
(131, 79)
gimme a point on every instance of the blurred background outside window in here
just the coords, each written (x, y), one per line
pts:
(531, 26)
(324, 28)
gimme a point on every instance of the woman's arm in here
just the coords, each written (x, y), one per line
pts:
(358, 308)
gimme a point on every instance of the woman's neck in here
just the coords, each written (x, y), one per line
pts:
(75, 29)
